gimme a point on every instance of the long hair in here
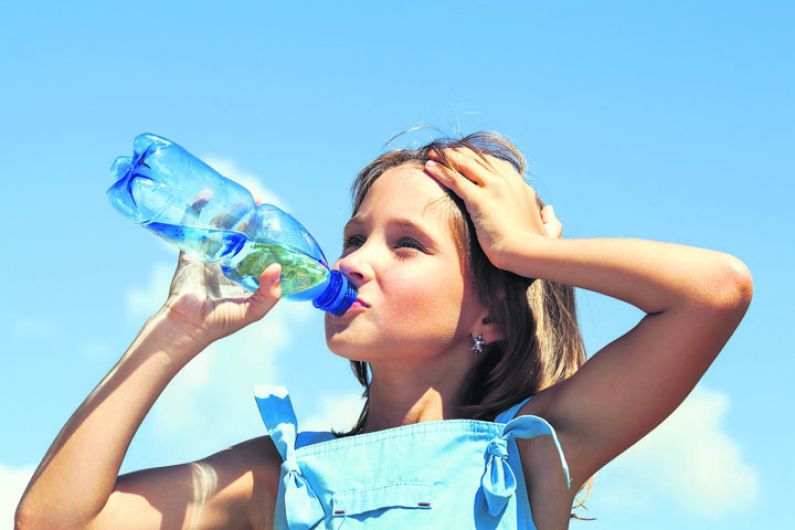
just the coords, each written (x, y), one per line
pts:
(541, 342)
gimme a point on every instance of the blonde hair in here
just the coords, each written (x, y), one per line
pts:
(541, 342)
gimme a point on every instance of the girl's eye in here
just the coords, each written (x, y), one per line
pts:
(410, 243)
(357, 240)
(349, 241)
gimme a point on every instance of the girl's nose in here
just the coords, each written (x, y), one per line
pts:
(355, 269)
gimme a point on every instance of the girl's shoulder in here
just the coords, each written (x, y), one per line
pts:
(260, 459)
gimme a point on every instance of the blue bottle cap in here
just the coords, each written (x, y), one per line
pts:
(338, 296)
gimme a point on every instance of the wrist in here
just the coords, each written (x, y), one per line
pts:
(518, 254)
(174, 338)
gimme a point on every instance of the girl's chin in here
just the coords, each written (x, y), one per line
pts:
(350, 350)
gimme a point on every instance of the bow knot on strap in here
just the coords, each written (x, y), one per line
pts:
(498, 482)
(291, 466)
(498, 447)
(303, 508)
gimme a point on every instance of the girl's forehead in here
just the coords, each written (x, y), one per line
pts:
(407, 184)
(406, 192)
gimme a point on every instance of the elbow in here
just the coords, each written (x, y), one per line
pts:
(21, 521)
(29, 520)
(734, 286)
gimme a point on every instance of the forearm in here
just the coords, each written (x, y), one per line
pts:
(77, 475)
(653, 276)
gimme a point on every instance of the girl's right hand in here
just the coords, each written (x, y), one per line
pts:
(205, 305)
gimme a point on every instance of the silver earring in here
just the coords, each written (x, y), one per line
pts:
(478, 344)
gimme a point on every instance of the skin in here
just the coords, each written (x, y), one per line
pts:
(423, 313)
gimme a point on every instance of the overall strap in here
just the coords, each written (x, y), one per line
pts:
(499, 482)
(278, 416)
(302, 507)
(508, 415)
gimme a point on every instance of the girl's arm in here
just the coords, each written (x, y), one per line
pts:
(76, 485)
(694, 299)
(89, 450)
(651, 275)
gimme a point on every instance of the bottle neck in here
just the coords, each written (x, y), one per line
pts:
(338, 296)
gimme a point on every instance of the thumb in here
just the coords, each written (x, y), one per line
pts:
(552, 224)
(267, 294)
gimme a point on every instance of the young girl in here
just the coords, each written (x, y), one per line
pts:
(481, 410)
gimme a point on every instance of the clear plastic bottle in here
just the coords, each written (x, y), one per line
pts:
(184, 201)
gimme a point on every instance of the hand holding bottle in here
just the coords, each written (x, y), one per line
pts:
(205, 306)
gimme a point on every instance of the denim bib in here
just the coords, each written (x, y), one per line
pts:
(462, 474)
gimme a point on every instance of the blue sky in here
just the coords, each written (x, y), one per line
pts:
(670, 121)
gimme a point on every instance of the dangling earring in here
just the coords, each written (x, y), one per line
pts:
(478, 344)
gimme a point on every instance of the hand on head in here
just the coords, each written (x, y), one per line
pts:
(504, 208)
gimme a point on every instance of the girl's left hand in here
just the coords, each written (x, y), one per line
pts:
(503, 207)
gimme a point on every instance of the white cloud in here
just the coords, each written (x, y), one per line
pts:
(339, 412)
(218, 384)
(689, 458)
(12, 484)
(142, 302)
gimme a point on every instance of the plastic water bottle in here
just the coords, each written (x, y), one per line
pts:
(184, 201)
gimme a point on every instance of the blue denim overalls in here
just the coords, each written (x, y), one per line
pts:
(457, 474)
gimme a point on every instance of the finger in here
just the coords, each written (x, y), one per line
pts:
(506, 169)
(183, 262)
(552, 224)
(267, 294)
(272, 276)
(465, 162)
(211, 280)
(472, 165)
(468, 155)
(202, 198)
(194, 209)
(459, 184)
(184, 258)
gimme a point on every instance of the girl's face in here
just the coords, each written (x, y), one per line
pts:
(400, 253)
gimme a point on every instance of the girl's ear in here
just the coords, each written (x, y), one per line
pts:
(485, 326)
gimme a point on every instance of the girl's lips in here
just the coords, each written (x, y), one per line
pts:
(361, 302)
(356, 307)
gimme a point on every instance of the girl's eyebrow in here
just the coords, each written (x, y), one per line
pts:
(400, 222)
